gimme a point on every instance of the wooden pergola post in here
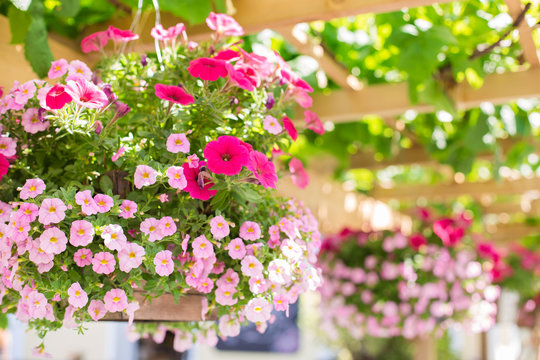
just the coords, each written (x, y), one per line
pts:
(424, 348)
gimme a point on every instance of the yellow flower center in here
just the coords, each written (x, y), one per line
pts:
(227, 293)
(27, 212)
(77, 293)
(257, 309)
(152, 228)
(80, 232)
(251, 265)
(237, 247)
(57, 68)
(52, 209)
(3, 146)
(83, 257)
(202, 246)
(220, 225)
(250, 230)
(178, 142)
(116, 299)
(54, 240)
(164, 262)
(145, 175)
(101, 203)
(104, 262)
(86, 202)
(177, 176)
(127, 208)
(131, 255)
(113, 236)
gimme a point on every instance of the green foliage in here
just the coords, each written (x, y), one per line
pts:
(36, 49)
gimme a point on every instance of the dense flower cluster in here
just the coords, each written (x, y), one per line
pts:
(154, 174)
(385, 284)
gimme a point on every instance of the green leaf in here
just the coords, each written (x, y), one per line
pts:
(106, 183)
(3, 321)
(21, 4)
(68, 8)
(36, 49)
(19, 21)
(194, 11)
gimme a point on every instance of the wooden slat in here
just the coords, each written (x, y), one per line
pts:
(442, 191)
(333, 69)
(531, 208)
(164, 308)
(506, 234)
(530, 52)
(393, 99)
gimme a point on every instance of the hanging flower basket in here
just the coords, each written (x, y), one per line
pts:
(386, 284)
(126, 189)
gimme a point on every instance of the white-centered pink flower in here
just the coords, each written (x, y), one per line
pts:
(81, 233)
(53, 241)
(85, 93)
(176, 177)
(219, 227)
(178, 143)
(52, 211)
(164, 263)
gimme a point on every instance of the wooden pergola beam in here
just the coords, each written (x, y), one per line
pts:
(506, 234)
(453, 190)
(393, 99)
(530, 52)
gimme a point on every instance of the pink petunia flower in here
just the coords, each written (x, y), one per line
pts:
(103, 263)
(230, 278)
(167, 227)
(258, 310)
(52, 211)
(176, 177)
(79, 69)
(250, 231)
(236, 248)
(37, 305)
(226, 155)
(58, 68)
(144, 176)
(87, 203)
(313, 122)
(97, 310)
(225, 295)
(103, 203)
(205, 285)
(115, 300)
(121, 36)
(449, 231)
(4, 166)
(57, 97)
(291, 129)
(128, 209)
(27, 213)
(202, 248)
(53, 241)
(219, 227)
(8, 146)
(32, 188)
(224, 25)
(85, 93)
(81, 233)
(272, 125)
(208, 69)
(229, 326)
(279, 272)
(151, 228)
(193, 161)
(95, 42)
(263, 169)
(130, 257)
(5, 212)
(163, 198)
(251, 266)
(77, 296)
(38, 256)
(113, 236)
(178, 143)
(118, 154)
(32, 123)
(174, 94)
(24, 92)
(170, 34)
(198, 187)
(258, 284)
(164, 263)
(281, 302)
(83, 257)
(299, 175)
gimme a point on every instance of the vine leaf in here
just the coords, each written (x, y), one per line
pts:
(36, 49)
(68, 8)
(19, 22)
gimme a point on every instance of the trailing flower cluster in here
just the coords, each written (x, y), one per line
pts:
(385, 284)
(154, 174)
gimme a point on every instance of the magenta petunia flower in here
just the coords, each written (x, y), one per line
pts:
(226, 155)
(95, 42)
(416, 241)
(85, 93)
(289, 126)
(449, 231)
(250, 231)
(208, 69)
(4, 166)
(52, 211)
(130, 257)
(53, 241)
(258, 310)
(144, 176)
(178, 143)
(202, 248)
(224, 24)
(77, 296)
(176, 177)
(103, 203)
(198, 188)
(103, 263)
(57, 97)
(299, 175)
(121, 36)
(128, 209)
(251, 266)
(151, 228)
(58, 68)
(32, 188)
(81, 233)
(173, 94)
(236, 248)
(263, 169)
(164, 263)
(272, 125)
(87, 203)
(115, 300)
(32, 123)
(97, 310)
(313, 122)
(83, 257)
(219, 227)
